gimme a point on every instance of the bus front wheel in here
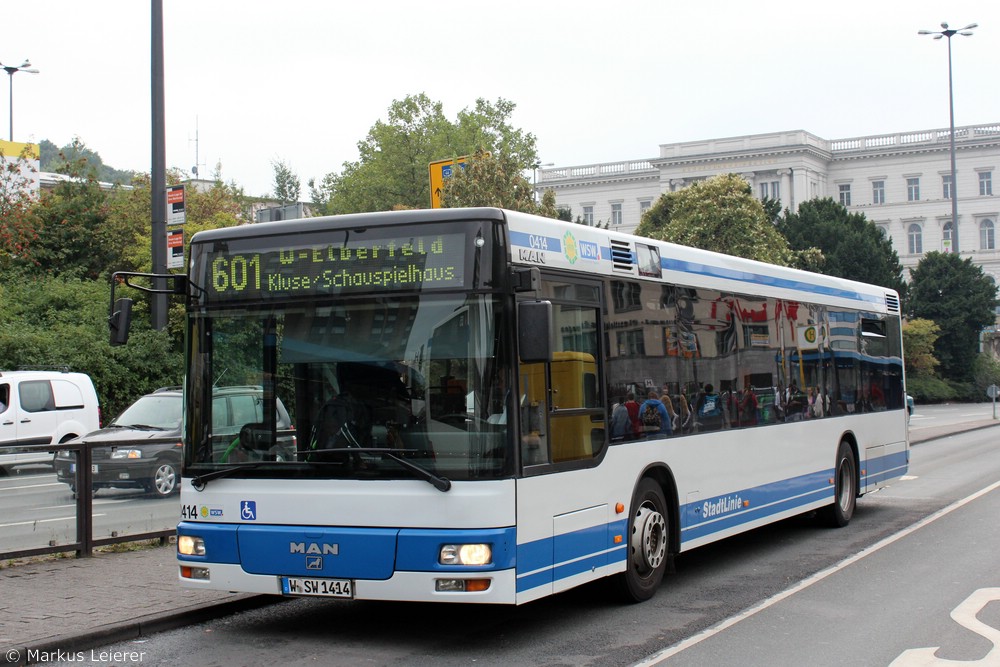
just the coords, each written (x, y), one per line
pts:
(845, 493)
(647, 543)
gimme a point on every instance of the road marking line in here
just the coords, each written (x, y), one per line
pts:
(965, 615)
(658, 658)
(31, 486)
(31, 523)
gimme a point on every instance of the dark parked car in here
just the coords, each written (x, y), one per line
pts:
(142, 446)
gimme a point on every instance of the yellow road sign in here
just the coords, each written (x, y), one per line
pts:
(440, 170)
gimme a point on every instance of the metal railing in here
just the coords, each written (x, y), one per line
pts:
(85, 541)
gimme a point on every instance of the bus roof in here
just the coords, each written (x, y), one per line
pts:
(557, 244)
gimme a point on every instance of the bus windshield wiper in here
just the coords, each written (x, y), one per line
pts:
(140, 427)
(201, 481)
(438, 482)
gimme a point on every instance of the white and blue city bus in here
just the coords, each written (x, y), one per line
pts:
(451, 376)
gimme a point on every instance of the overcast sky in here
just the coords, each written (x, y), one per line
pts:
(303, 81)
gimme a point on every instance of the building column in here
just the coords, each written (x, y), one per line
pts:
(787, 200)
(677, 184)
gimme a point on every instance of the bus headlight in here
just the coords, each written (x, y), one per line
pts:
(189, 545)
(466, 554)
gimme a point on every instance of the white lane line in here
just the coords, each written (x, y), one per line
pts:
(31, 523)
(658, 658)
(32, 486)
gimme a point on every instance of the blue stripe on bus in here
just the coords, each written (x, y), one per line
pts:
(553, 244)
(700, 269)
(536, 241)
(539, 565)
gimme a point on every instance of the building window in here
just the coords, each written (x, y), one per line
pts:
(878, 192)
(616, 214)
(775, 190)
(763, 190)
(631, 343)
(626, 295)
(987, 237)
(588, 216)
(946, 236)
(845, 194)
(986, 182)
(913, 189)
(946, 186)
(644, 206)
(916, 239)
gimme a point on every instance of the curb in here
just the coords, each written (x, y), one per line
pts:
(956, 431)
(64, 647)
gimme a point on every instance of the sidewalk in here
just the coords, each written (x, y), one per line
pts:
(71, 604)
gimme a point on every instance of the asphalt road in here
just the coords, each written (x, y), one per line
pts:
(36, 509)
(788, 594)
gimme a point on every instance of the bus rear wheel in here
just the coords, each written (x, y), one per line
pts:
(648, 541)
(845, 493)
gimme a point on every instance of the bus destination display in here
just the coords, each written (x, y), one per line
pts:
(379, 265)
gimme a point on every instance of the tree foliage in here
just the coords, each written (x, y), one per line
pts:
(62, 321)
(959, 298)
(852, 247)
(719, 214)
(17, 221)
(495, 180)
(392, 170)
(53, 159)
(286, 183)
(919, 337)
(73, 238)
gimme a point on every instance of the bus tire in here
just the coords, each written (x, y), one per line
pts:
(845, 488)
(648, 540)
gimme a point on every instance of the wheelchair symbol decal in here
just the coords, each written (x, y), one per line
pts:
(248, 510)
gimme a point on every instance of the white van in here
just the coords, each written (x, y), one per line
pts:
(41, 407)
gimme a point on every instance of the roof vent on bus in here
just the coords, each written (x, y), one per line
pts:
(892, 303)
(622, 257)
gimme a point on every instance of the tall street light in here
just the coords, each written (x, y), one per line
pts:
(10, 69)
(947, 32)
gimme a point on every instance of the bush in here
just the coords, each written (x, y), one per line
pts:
(926, 389)
(47, 321)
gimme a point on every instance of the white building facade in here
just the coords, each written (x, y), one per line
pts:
(901, 182)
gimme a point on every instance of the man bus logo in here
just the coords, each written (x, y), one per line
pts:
(314, 548)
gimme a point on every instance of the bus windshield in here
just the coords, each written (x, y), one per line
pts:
(365, 381)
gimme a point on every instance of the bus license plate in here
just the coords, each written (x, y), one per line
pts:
(331, 588)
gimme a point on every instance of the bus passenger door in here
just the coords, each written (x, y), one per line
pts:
(562, 418)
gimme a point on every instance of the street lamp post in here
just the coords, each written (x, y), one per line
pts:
(10, 69)
(947, 32)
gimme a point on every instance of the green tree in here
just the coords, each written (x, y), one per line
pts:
(985, 371)
(53, 159)
(919, 337)
(17, 220)
(959, 298)
(286, 183)
(491, 180)
(59, 320)
(392, 170)
(719, 214)
(852, 246)
(72, 236)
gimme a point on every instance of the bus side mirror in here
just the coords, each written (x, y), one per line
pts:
(534, 331)
(120, 322)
